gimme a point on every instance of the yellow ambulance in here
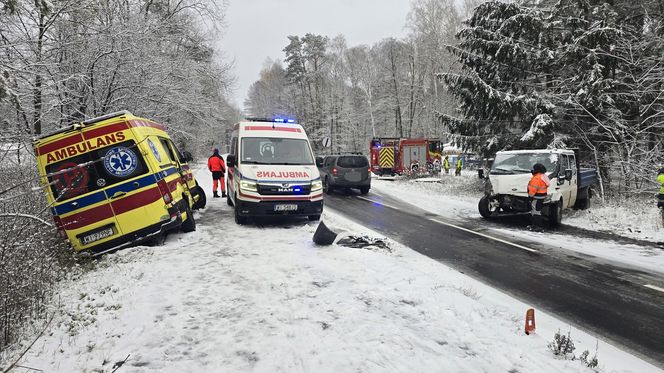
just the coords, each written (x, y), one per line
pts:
(116, 181)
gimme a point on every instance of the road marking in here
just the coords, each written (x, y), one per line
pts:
(654, 287)
(377, 202)
(485, 235)
(462, 228)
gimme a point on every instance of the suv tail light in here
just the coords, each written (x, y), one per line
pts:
(334, 171)
(165, 192)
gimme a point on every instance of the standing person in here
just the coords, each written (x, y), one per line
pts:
(446, 164)
(537, 189)
(459, 164)
(217, 166)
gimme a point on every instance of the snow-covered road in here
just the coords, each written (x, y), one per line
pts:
(230, 298)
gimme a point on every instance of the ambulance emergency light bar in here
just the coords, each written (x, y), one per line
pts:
(274, 120)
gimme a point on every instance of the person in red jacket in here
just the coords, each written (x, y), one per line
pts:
(217, 166)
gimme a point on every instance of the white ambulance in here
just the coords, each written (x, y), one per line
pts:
(272, 171)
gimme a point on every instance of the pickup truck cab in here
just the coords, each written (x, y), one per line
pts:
(272, 171)
(506, 186)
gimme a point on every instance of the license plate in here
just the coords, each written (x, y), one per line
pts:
(108, 232)
(285, 207)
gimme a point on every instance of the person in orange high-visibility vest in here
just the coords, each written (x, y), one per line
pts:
(217, 166)
(537, 189)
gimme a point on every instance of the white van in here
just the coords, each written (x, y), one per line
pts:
(272, 171)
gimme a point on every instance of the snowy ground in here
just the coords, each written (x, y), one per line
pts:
(265, 299)
(456, 198)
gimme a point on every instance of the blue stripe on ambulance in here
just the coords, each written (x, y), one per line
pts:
(100, 196)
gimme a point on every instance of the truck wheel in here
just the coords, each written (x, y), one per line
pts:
(556, 213)
(189, 224)
(202, 198)
(484, 206)
(239, 219)
(364, 190)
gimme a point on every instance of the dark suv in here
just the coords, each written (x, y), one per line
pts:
(345, 171)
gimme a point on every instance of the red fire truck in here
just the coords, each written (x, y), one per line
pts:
(390, 155)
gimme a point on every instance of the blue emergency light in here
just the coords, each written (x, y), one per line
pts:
(283, 120)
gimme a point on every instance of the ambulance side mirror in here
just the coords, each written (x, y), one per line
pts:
(319, 161)
(230, 160)
(187, 156)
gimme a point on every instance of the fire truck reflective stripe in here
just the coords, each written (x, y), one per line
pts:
(386, 158)
(84, 202)
(62, 143)
(87, 217)
(105, 130)
(270, 128)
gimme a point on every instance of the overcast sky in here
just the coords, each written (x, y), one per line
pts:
(258, 29)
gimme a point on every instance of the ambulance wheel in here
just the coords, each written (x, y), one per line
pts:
(314, 217)
(189, 225)
(239, 219)
(229, 201)
(202, 198)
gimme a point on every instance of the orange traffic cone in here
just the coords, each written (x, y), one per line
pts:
(530, 321)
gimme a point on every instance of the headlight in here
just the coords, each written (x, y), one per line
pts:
(248, 186)
(316, 185)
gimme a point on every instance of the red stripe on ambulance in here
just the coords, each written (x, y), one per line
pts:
(63, 143)
(135, 201)
(87, 217)
(268, 128)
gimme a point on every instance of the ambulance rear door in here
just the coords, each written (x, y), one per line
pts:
(95, 187)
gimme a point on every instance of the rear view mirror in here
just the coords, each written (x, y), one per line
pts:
(319, 161)
(568, 174)
(230, 160)
(187, 157)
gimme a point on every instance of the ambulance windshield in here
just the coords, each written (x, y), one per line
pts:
(280, 151)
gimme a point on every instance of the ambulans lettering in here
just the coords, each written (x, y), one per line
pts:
(283, 174)
(85, 146)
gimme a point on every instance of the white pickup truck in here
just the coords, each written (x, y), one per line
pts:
(506, 186)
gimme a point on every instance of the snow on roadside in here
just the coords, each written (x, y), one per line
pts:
(456, 199)
(265, 299)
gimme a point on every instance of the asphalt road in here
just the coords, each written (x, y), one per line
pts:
(618, 304)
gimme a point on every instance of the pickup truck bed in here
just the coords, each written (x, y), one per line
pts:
(587, 177)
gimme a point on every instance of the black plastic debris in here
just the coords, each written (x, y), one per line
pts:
(364, 242)
(324, 236)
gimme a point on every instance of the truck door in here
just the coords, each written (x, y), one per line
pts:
(574, 183)
(565, 185)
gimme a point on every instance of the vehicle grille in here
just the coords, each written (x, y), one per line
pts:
(281, 190)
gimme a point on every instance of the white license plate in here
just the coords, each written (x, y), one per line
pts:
(285, 207)
(108, 232)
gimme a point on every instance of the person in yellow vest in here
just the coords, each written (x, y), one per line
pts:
(446, 164)
(537, 190)
(459, 164)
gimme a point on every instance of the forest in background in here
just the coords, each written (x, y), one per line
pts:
(489, 76)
